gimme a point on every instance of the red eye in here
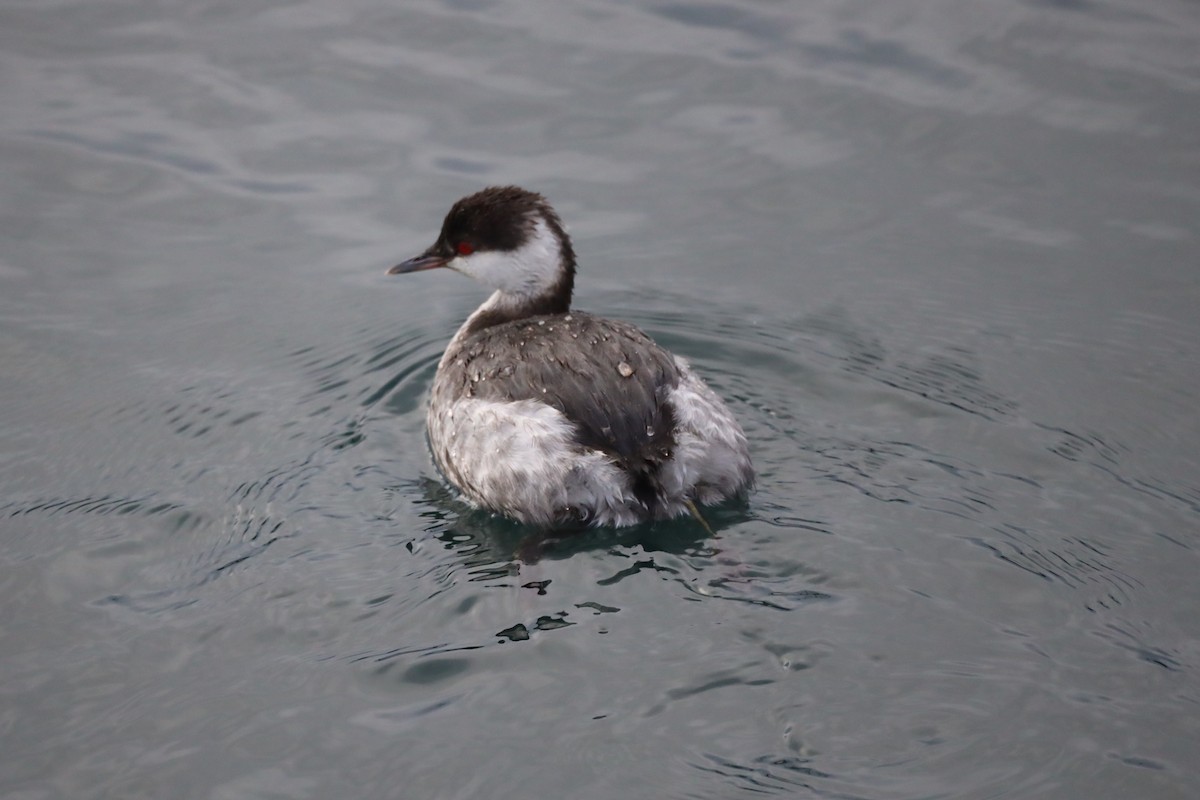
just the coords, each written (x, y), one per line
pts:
(464, 248)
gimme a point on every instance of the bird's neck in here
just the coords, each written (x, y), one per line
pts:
(507, 306)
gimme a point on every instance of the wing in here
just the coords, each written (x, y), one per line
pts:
(608, 378)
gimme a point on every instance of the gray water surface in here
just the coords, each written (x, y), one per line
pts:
(941, 259)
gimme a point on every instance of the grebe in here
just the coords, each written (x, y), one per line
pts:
(550, 416)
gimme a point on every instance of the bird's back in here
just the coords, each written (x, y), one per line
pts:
(607, 378)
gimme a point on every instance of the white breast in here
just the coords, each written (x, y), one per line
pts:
(520, 458)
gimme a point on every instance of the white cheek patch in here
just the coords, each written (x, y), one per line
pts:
(530, 270)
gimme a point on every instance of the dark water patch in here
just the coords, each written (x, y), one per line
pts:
(249, 534)
(279, 484)
(756, 592)
(642, 565)
(1186, 496)
(195, 411)
(598, 608)
(768, 776)
(439, 649)
(1074, 563)
(722, 17)
(1138, 761)
(1124, 637)
(351, 433)
(774, 514)
(709, 683)
(704, 684)
(523, 633)
(1173, 540)
(859, 51)
(517, 633)
(90, 505)
(1090, 446)
(1107, 455)
(435, 670)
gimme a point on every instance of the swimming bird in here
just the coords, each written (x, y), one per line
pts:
(554, 417)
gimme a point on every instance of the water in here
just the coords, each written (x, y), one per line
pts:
(941, 259)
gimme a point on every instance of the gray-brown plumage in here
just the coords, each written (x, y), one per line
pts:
(548, 415)
(620, 409)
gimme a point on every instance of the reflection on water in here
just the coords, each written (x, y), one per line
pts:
(938, 257)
